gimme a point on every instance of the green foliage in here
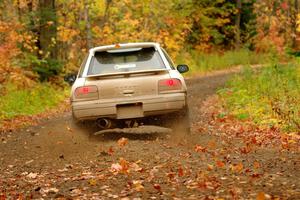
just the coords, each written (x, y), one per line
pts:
(204, 62)
(45, 68)
(294, 53)
(63, 30)
(213, 23)
(268, 97)
(50, 67)
(50, 38)
(15, 102)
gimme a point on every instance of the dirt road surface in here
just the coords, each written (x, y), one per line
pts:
(57, 160)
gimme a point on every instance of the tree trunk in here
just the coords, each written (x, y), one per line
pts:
(238, 24)
(106, 13)
(294, 23)
(87, 25)
(19, 11)
(47, 29)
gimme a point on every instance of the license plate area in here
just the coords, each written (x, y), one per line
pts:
(127, 111)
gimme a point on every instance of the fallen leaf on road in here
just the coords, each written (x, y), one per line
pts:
(256, 175)
(28, 162)
(171, 175)
(122, 142)
(93, 182)
(237, 168)
(121, 167)
(245, 150)
(125, 165)
(180, 172)
(260, 196)
(211, 144)
(256, 165)
(199, 148)
(49, 190)
(69, 129)
(137, 185)
(135, 167)
(32, 175)
(115, 168)
(220, 164)
(110, 151)
(152, 173)
(76, 192)
(157, 187)
(112, 196)
(101, 177)
(210, 167)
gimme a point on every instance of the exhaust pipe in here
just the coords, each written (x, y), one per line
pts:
(104, 123)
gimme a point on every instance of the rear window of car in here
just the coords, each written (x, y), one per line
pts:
(125, 60)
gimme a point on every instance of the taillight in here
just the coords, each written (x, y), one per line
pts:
(171, 84)
(87, 92)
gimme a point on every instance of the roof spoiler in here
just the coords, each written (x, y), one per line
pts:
(127, 73)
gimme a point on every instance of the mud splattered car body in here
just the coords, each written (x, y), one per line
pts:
(128, 81)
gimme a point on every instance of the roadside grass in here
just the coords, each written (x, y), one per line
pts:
(269, 96)
(44, 96)
(207, 62)
(25, 102)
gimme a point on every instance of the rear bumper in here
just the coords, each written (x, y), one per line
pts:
(136, 107)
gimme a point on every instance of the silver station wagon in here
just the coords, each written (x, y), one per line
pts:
(128, 85)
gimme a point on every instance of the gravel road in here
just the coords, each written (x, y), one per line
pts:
(59, 160)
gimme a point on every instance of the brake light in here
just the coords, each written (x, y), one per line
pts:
(87, 92)
(169, 85)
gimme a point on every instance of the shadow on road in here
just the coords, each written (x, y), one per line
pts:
(117, 135)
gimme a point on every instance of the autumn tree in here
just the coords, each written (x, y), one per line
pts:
(47, 28)
(238, 24)
(212, 24)
(295, 17)
(56, 32)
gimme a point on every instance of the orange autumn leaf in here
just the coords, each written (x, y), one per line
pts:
(92, 182)
(135, 167)
(138, 185)
(171, 175)
(210, 167)
(115, 168)
(238, 167)
(246, 149)
(260, 196)
(180, 172)
(256, 165)
(110, 151)
(69, 129)
(212, 144)
(157, 187)
(125, 165)
(199, 148)
(122, 142)
(220, 164)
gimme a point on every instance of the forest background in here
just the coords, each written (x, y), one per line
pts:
(41, 41)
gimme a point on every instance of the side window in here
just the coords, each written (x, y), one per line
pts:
(82, 66)
(168, 58)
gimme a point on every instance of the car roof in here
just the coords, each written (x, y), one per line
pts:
(124, 46)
